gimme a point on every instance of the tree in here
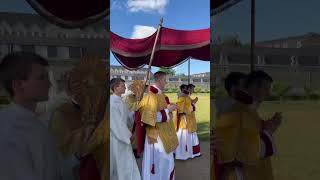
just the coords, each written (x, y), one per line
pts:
(168, 71)
(232, 40)
(181, 74)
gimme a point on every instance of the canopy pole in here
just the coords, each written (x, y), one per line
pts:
(189, 71)
(151, 57)
(252, 50)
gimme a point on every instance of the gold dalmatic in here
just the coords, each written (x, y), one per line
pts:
(70, 123)
(239, 130)
(149, 106)
(185, 110)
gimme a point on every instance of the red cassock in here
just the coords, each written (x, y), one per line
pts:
(88, 168)
(140, 132)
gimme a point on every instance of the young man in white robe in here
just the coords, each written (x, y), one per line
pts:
(28, 150)
(69, 164)
(123, 165)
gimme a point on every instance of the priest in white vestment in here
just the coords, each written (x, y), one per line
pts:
(28, 151)
(123, 165)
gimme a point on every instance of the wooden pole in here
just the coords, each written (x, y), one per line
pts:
(189, 71)
(152, 57)
(252, 50)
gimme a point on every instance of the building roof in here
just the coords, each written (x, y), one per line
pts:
(121, 67)
(120, 70)
(273, 56)
(204, 74)
(310, 35)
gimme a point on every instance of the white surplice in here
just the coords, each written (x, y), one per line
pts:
(123, 165)
(28, 151)
(187, 143)
(69, 165)
(163, 162)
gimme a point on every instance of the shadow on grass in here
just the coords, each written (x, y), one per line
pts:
(203, 131)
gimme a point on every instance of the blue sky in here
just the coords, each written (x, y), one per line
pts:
(15, 6)
(177, 14)
(274, 19)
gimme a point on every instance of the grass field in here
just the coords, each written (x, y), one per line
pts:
(297, 140)
(202, 113)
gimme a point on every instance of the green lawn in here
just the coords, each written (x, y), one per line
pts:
(202, 113)
(297, 140)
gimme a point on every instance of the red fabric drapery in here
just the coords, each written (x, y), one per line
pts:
(173, 48)
(71, 13)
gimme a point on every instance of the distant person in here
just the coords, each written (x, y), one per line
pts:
(186, 126)
(183, 90)
(234, 85)
(28, 150)
(246, 139)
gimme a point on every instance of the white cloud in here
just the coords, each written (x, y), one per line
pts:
(147, 5)
(116, 5)
(142, 31)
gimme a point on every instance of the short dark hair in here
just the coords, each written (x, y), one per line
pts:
(115, 82)
(183, 86)
(233, 79)
(191, 86)
(18, 66)
(256, 78)
(158, 75)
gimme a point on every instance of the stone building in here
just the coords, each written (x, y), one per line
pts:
(202, 79)
(62, 47)
(127, 75)
(294, 60)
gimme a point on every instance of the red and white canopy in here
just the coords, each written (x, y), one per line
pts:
(173, 48)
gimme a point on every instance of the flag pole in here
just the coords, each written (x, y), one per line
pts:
(252, 50)
(189, 71)
(152, 57)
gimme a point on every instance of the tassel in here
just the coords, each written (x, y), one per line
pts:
(152, 169)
